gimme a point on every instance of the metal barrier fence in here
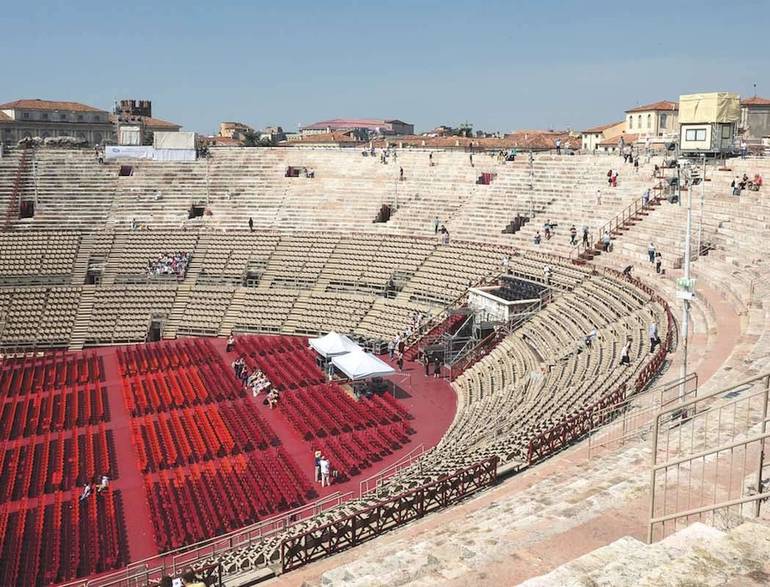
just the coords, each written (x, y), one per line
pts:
(633, 418)
(145, 571)
(370, 522)
(708, 458)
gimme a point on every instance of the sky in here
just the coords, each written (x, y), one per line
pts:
(500, 65)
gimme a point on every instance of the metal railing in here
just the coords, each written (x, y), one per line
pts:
(372, 484)
(370, 522)
(629, 213)
(632, 418)
(176, 561)
(703, 452)
(14, 201)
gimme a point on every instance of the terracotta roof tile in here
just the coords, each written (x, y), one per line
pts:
(158, 123)
(601, 128)
(326, 137)
(38, 104)
(665, 105)
(755, 101)
(530, 139)
(628, 138)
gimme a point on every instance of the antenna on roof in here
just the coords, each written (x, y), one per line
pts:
(755, 89)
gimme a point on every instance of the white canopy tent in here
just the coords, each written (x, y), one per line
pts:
(333, 344)
(360, 365)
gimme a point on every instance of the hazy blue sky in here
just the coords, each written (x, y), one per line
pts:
(498, 64)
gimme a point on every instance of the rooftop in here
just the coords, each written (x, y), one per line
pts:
(755, 101)
(663, 105)
(38, 104)
(601, 128)
(350, 123)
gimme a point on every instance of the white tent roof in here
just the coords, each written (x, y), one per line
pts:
(361, 365)
(333, 344)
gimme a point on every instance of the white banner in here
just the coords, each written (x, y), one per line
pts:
(127, 152)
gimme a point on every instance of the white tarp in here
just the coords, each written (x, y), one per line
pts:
(333, 344)
(173, 140)
(722, 107)
(360, 365)
(128, 152)
(174, 155)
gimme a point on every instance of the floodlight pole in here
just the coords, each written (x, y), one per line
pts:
(688, 289)
(702, 198)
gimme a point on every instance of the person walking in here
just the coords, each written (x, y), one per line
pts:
(400, 361)
(585, 237)
(624, 358)
(317, 464)
(658, 262)
(558, 146)
(436, 224)
(607, 240)
(251, 224)
(436, 366)
(324, 466)
(86, 491)
(651, 252)
(573, 235)
(652, 332)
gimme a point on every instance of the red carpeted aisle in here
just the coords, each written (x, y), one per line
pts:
(137, 514)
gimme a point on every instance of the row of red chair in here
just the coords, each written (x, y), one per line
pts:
(171, 439)
(45, 544)
(188, 386)
(165, 355)
(209, 499)
(268, 345)
(61, 409)
(327, 410)
(59, 463)
(34, 374)
(350, 453)
(288, 370)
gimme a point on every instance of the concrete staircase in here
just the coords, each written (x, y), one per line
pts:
(233, 311)
(83, 318)
(177, 312)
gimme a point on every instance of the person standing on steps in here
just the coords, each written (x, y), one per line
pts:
(251, 224)
(652, 332)
(585, 237)
(658, 262)
(624, 358)
(573, 235)
(651, 252)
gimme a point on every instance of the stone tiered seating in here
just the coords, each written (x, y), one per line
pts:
(37, 257)
(122, 314)
(37, 316)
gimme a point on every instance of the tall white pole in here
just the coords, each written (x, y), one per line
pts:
(686, 306)
(702, 198)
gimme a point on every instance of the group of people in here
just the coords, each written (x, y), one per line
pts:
(630, 158)
(101, 483)
(397, 346)
(612, 178)
(170, 264)
(433, 360)
(742, 183)
(255, 380)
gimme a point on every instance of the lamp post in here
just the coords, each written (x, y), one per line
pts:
(687, 287)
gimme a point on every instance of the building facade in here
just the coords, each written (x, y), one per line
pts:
(46, 118)
(656, 120)
(50, 118)
(755, 117)
(367, 125)
(592, 137)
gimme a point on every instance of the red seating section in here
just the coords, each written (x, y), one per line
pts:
(26, 375)
(213, 498)
(212, 463)
(54, 436)
(353, 434)
(61, 540)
